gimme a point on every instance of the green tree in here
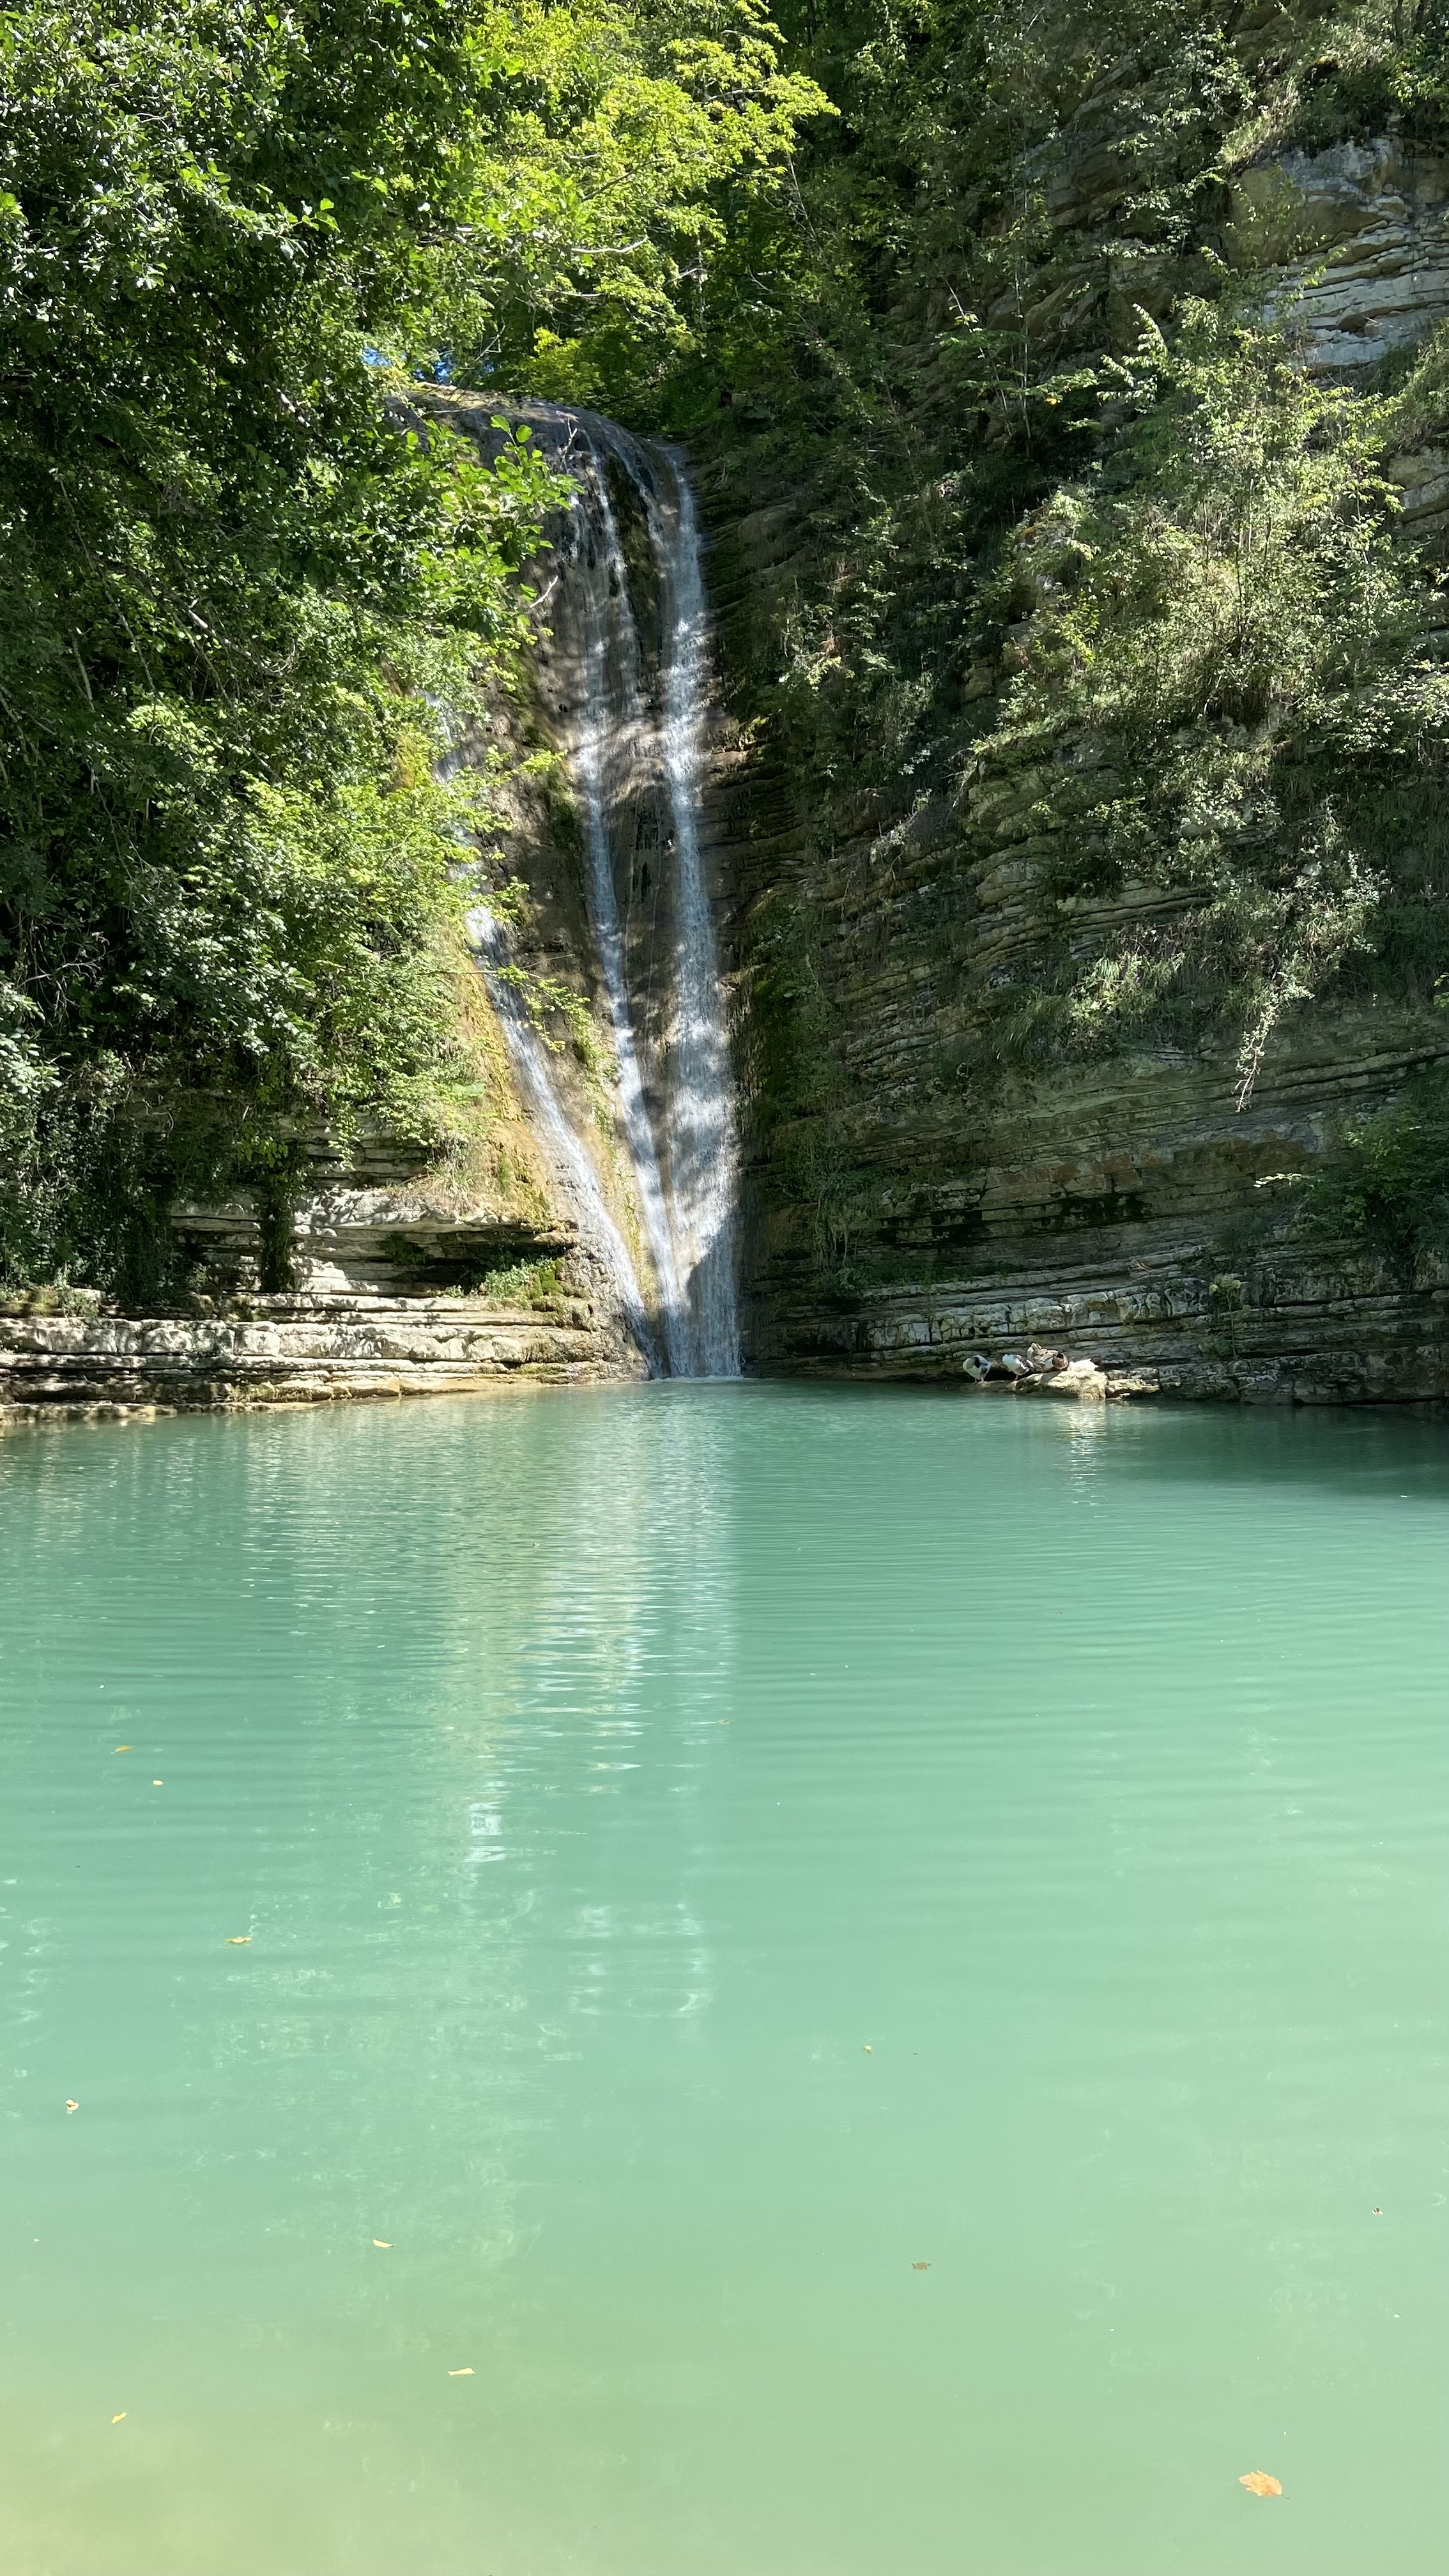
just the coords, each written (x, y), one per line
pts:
(241, 579)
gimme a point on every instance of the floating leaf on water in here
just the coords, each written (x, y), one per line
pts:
(125, 1748)
(383, 2244)
(1258, 2482)
(870, 2052)
(237, 1940)
(119, 2419)
(72, 2106)
(158, 1784)
(920, 2267)
(465, 2373)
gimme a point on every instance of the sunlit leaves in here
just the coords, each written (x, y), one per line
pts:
(243, 579)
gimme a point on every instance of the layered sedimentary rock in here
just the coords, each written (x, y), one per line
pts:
(299, 1351)
(379, 1219)
(1099, 1209)
(1128, 1212)
(1355, 241)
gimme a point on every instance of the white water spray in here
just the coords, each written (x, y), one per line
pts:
(703, 1157)
(607, 715)
(572, 1165)
(682, 1149)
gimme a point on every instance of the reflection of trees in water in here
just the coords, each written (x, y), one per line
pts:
(439, 1688)
(512, 1792)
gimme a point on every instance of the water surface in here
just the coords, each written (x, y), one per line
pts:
(671, 1863)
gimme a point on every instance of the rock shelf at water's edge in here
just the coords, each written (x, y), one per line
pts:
(297, 1351)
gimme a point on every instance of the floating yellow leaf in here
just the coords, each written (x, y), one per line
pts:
(1258, 2482)
(462, 2374)
(119, 2419)
(72, 2106)
(920, 2267)
(237, 1940)
(158, 1784)
(125, 1748)
(383, 2244)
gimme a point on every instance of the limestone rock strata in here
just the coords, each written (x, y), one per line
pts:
(348, 1238)
(298, 1351)
(1354, 242)
(1121, 1211)
(380, 1218)
(1147, 1327)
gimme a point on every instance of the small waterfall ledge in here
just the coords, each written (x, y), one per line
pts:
(623, 676)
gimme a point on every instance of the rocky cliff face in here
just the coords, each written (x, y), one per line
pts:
(1126, 1212)
(1115, 1227)
(1352, 242)
(310, 1350)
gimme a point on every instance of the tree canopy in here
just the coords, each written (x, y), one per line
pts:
(948, 273)
(240, 581)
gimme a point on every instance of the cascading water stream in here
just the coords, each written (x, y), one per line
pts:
(573, 1168)
(702, 1156)
(683, 1157)
(606, 713)
(632, 721)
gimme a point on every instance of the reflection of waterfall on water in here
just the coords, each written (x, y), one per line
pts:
(572, 1164)
(683, 1156)
(612, 1654)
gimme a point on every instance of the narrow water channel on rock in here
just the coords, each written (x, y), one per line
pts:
(724, 1981)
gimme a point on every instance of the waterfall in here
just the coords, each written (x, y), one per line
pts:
(633, 726)
(608, 718)
(702, 1146)
(572, 1165)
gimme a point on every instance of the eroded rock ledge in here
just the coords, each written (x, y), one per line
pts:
(283, 1350)
(1152, 1325)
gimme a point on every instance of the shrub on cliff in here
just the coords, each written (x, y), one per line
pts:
(1384, 1186)
(1227, 688)
(1084, 570)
